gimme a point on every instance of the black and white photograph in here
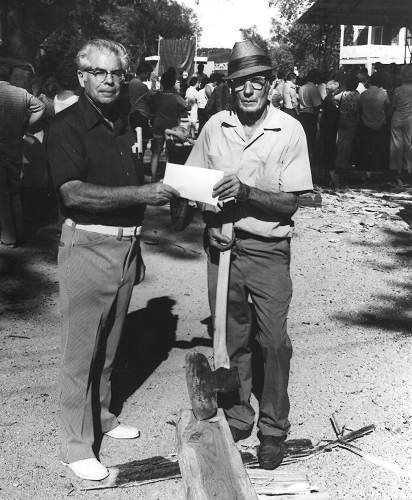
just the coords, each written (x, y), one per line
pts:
(205, 241)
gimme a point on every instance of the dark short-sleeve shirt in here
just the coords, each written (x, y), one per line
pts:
(82, 145)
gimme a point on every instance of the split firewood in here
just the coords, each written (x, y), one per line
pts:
(210, 463)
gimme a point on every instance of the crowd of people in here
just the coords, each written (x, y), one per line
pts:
(352, 120)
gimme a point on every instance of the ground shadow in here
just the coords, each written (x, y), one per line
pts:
(149, 335)
(391, 311)
(24, 284)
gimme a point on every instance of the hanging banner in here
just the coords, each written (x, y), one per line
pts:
(179, 54)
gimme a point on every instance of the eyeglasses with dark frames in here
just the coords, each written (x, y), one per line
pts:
(257, 82)
(102, 74)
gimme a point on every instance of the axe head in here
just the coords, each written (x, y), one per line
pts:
(202, 384)
(200, 387)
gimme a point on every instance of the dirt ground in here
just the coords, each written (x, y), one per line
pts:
(350, 322)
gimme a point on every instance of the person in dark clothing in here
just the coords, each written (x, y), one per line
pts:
(168, 107)
(328, 128)
(139, 97)
(103, 200)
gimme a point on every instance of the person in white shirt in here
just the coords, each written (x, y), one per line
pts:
(191, 96)
(290, 96)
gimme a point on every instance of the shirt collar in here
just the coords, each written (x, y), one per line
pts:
(271, 122)
(92, 113)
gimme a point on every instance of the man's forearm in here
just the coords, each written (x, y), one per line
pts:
(94, 198)
(276, 204)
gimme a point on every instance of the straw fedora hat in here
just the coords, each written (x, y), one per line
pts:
(247, 58)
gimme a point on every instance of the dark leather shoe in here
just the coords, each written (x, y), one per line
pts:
(239, 434)
(271, 451)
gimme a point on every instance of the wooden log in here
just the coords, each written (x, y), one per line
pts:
(209, 461)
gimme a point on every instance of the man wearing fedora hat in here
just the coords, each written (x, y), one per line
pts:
(264, 155)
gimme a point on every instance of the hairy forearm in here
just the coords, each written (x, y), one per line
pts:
(94, 198)
(276, 204)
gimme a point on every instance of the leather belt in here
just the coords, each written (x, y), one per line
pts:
(120, 232)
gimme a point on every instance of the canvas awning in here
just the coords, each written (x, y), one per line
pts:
(359, 12)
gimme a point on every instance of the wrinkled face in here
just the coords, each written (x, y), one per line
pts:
(100, 87)
(251, 93)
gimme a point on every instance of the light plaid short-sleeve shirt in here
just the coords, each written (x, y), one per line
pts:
(275, 159)
(16, 105)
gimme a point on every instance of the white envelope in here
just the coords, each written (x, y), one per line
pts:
(193, 183)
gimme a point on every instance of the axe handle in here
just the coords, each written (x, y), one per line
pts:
(139, 140)
(220, 355)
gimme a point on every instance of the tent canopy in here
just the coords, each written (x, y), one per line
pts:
(359, 12)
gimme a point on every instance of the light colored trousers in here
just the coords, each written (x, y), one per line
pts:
(96, 277)
(401, 145)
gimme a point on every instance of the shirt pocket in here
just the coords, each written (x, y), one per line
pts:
(268, 177)
(221, 162)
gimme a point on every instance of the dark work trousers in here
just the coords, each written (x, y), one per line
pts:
(309, 123)
(203, 117)
(96, 277)
(259, 268)
(374, 144)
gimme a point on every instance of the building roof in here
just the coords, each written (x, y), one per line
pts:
(359, 12)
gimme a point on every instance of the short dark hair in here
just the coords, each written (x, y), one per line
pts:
(144, 68)
(192, 81)
(290, 76)
(313, 75)
(377, 79)
(351, 82)
(4, 72)
(168, 80)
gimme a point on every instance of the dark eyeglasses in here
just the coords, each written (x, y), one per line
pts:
(102, 74)
(257, 82)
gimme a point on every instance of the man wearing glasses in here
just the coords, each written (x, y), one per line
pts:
(102, 198)
(264, 155)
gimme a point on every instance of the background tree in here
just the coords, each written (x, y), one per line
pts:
(310, 45)
(282, 58)
(251, 33)
(60, 26)
(215, 54)
(25, 24)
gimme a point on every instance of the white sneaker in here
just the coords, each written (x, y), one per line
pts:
(123, 431)
(89, 468)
